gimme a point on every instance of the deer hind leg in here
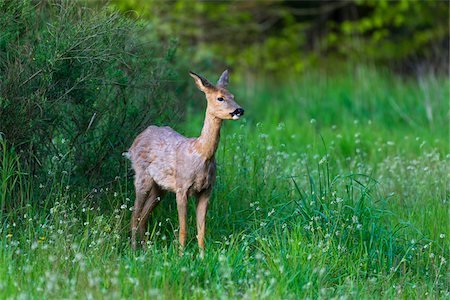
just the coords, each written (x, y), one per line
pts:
(153, 199)
(143, 185)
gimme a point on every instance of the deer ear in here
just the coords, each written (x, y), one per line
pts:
(201, 82)
(223, 80)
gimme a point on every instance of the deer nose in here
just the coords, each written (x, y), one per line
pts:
(239, 112)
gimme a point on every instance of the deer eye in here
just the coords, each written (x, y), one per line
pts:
(220, 99)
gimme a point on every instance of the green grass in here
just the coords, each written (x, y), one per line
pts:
(332, 185)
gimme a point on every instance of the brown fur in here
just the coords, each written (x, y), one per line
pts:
(164, 160)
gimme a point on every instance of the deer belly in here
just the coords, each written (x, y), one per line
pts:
(164, 177)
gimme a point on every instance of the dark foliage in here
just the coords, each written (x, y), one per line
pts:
(77, 85)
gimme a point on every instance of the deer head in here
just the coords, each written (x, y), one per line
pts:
(221, 102)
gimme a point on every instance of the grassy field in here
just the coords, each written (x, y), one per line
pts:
(332, 185)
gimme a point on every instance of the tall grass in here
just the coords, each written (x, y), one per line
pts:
(12, 178)
(309, 202)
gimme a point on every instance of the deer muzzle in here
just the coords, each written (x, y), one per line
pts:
(237, 113)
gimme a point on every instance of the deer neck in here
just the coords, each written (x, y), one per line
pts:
(208, 141)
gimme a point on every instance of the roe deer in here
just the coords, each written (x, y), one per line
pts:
(164, 160)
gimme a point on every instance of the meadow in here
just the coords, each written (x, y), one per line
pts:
(333, 185)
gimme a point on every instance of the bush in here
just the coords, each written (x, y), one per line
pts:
(77, 84)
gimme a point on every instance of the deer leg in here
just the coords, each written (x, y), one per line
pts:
(182, 214)
(151, 202)
(202, 208)
(142, 187)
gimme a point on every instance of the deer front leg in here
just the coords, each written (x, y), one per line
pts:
(182, 214)
(202, 208)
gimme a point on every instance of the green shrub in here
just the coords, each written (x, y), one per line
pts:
(77, 84)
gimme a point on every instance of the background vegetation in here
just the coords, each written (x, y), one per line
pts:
(336, 182)
(282, 37)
